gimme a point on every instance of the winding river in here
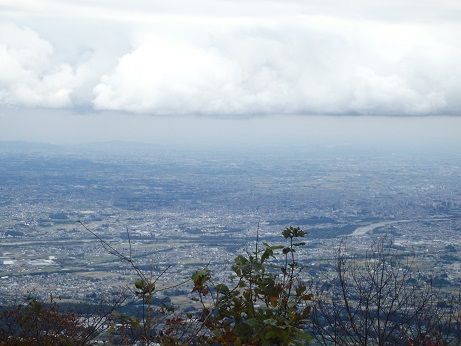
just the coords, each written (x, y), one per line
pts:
(363, 230)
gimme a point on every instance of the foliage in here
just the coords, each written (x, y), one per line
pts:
(37, 324)
(373, 299)
(268, 305)
(126, 329)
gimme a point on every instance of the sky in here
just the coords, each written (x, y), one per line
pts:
(105, 66)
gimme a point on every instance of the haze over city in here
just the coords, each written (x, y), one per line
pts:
(183, 133)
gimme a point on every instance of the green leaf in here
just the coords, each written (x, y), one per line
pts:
(223, 289)
(201, 275)
(293, 232)
(252, 322)
(266, 254)
(139, 284)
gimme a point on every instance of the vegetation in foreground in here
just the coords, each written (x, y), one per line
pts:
(377, 299)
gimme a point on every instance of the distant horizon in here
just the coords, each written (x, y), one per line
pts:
(207, 132)
(201, 73)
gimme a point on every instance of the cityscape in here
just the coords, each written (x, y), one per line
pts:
(215, 172)
(181, 211)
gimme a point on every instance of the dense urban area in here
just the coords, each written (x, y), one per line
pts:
(184, 210)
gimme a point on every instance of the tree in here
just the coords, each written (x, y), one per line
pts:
(377, 298)
(126, 329)
(380, 299)
(37, 324)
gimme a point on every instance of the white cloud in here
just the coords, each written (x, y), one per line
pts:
(307, 65)
(241, 58)
(29, 78)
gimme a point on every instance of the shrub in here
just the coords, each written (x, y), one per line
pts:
(268, 304)
(37, 324)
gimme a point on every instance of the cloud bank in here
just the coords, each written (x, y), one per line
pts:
(302, 62)
(28, 77)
